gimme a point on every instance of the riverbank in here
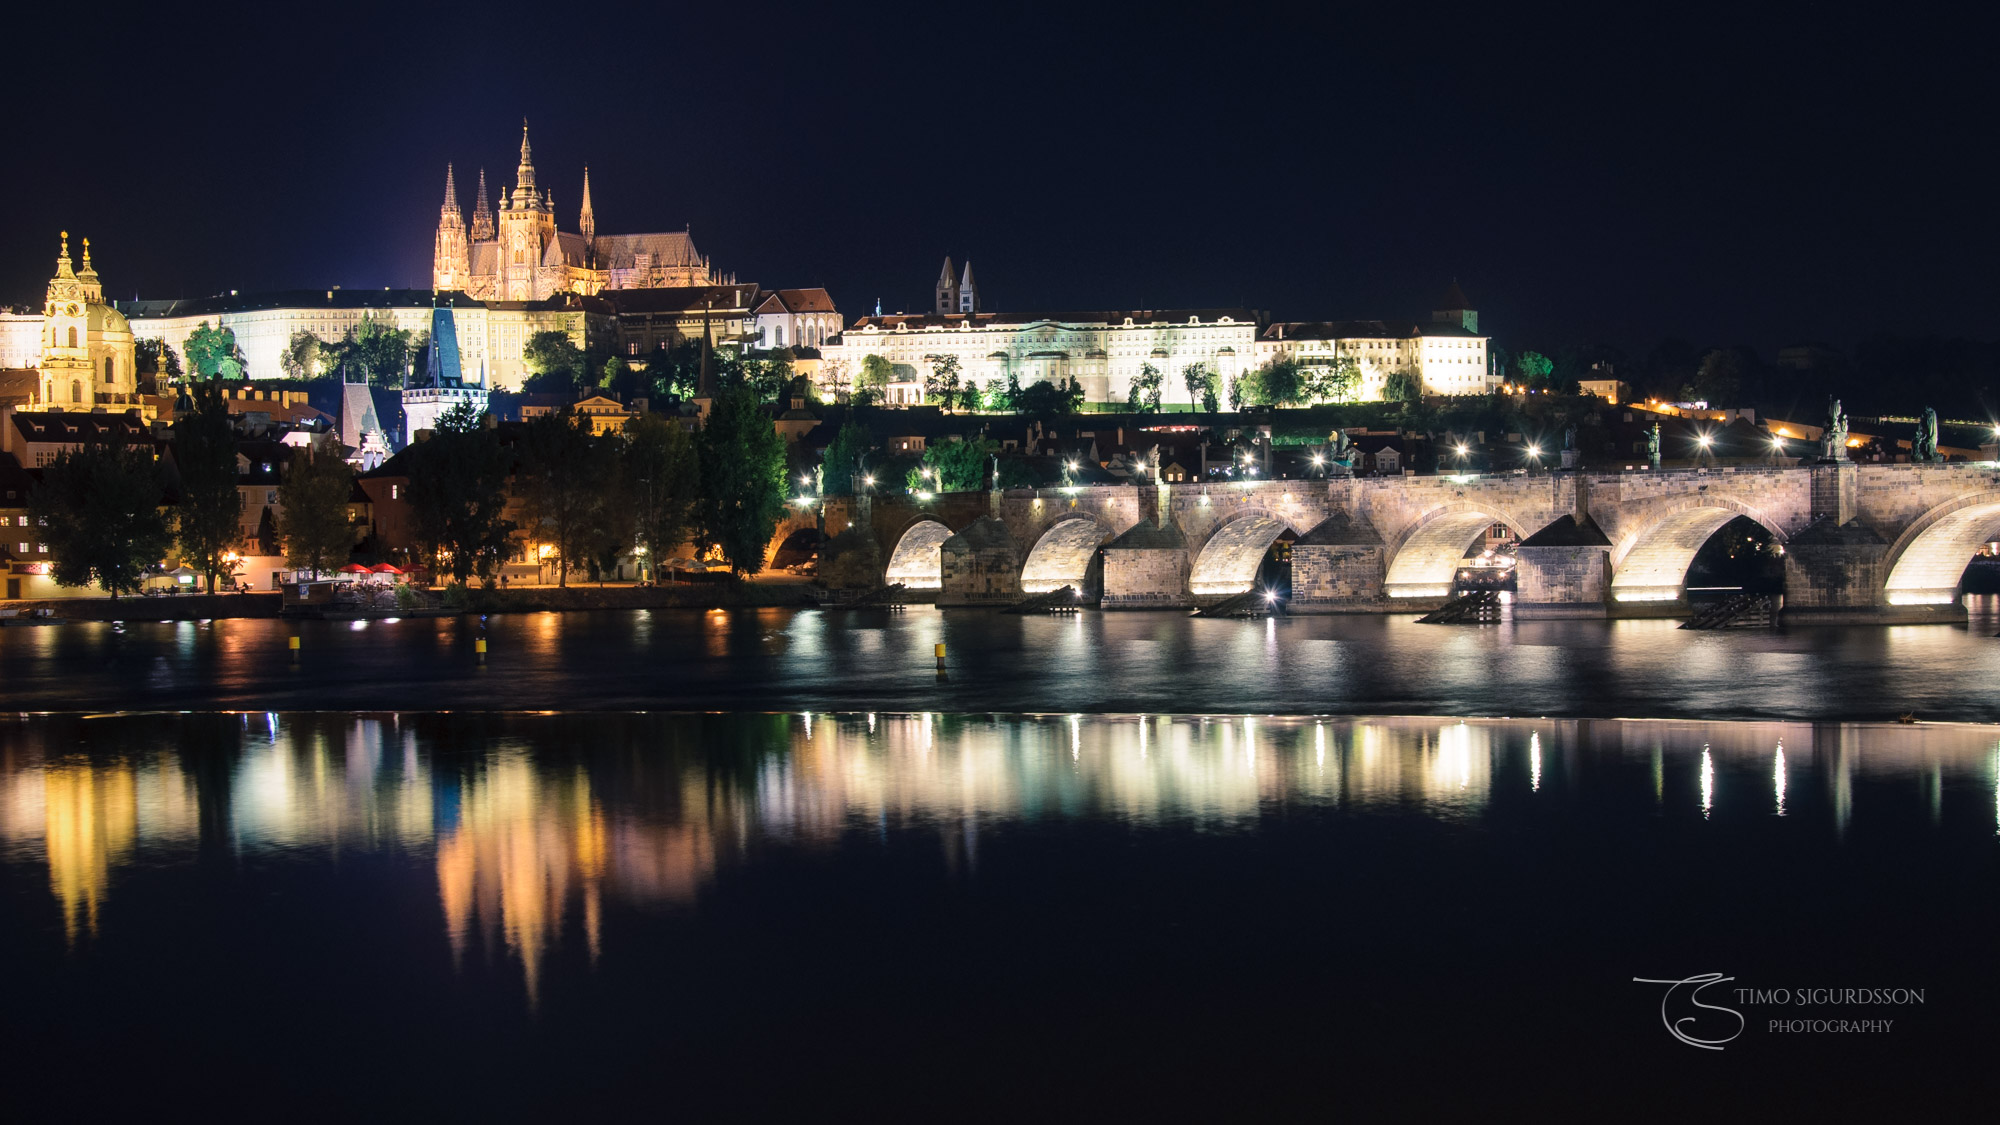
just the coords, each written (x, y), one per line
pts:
(528, 599)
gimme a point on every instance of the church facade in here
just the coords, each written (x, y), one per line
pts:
(80, 349)
(514, 250)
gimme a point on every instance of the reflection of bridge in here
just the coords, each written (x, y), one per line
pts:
(1861, 541)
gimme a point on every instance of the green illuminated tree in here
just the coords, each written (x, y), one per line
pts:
(1533, 368)
(212, 353)
(942, 381)
(662, 477)
(1332, 382)
(843, 459)
(315, 523)
(458, 498)
(565, 476)
(300, 359)
(876, 373)
(742, 479)
(208, 519)
(1402, 386)
(959, 466)
(98, 509)
(1199, 378)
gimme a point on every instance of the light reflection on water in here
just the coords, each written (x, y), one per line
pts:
(531, 823)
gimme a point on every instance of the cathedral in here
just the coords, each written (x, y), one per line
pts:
(514, 252)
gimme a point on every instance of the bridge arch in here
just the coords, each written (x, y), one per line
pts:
(1927, 562)
(1426, 561)
(918, 560)
(1229, 560)
(1650, 563)
(1063, 554)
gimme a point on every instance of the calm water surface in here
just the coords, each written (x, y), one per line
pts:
(513, 916)
(1091, 662)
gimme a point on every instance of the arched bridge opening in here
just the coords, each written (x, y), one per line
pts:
(1066, 555)
(1654, 568)
(1233, 558)
(1428, 560)
(918, 560)
(1927, 565)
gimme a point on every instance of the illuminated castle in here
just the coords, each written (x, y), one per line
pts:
(79, 350)
(513, 251)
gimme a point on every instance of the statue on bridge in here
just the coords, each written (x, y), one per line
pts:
(1653, 446)
(1833, 446)
(1923, 447)
(1153, 464)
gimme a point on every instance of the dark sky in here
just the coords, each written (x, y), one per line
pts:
(1725, 177)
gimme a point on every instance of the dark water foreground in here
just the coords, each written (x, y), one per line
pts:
(699, 917)
(790, 659)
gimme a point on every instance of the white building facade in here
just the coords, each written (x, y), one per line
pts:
(1102, 351)
(491, 336)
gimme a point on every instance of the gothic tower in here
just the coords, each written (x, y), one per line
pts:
(947, 290)
(968, 292)
(526, 230)
(451, 263)
(588, 222)
(482, 213)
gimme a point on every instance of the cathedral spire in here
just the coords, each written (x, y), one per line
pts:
(63, 268)
(524, 175)
(587, 223)
(482, 212)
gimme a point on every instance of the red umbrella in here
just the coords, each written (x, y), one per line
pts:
(385, 568)
(355, 568)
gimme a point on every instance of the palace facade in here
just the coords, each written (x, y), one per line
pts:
(514, 251)
(1105, 351)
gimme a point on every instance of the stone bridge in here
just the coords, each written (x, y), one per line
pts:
(1867, 542)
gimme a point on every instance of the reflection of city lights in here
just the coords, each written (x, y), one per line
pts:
(1535, 762)
(1707, 781)
(1778, 778)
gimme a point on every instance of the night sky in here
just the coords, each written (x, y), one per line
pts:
(1616, 179)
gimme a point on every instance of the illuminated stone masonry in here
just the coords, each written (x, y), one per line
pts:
(1863, 542)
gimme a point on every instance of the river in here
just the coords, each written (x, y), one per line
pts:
(1137, 662)
(516, 916)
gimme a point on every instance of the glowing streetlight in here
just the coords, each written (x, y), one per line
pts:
(869, 481)
(1318, 460)
(1703, 440)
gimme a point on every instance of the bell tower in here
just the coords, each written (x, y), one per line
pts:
(66, 380)
(451, 263)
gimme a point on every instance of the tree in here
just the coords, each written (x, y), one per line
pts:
(842, 461)
(458, 497)
(662, 478)
(1199, 379)
(876, 373)
(212, 353)
(1533, 368)
(209, 517)
(98, 508)
(1401, 386)
(314, 521)
(1144, 394)
(942, 383)
(1333, 382)
(376, 348)
(1048, 400)
(157, 359)
(742, 479)
(674, 370)
(564, 476)
(959, 466)
(969, 397)
(301, 356)
(1280, 382)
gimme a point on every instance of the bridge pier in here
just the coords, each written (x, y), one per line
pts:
(1563, 571)
(1147, 568)
(1339, 567)
(980, 565)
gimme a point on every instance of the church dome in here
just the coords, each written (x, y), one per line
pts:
(105, 319)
